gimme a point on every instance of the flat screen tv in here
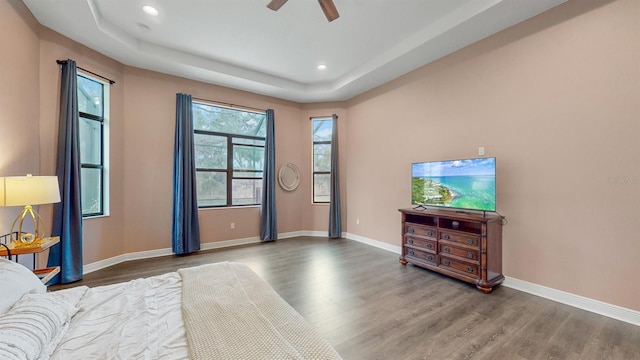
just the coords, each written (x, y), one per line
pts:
(460, 184)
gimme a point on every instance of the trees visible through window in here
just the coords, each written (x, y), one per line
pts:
(229, 152)
(93, 100)
(322, 129)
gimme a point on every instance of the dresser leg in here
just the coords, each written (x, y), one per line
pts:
(485, 289)
(403, 261)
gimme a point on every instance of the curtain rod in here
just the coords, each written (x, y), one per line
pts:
(321, 117)
(60, 62)
(230, 105)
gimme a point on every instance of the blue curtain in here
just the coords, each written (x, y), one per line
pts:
(67, 214)
(335, 222)
(268, 218)
(186, 229)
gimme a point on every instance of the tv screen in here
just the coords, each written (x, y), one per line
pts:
(462, 184)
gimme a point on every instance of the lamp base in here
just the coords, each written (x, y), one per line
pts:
(27, 238)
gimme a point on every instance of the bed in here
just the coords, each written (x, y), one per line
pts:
(215, 311)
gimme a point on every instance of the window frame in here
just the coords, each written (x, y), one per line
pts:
(313, 159)
(103, 166)
(229, 171)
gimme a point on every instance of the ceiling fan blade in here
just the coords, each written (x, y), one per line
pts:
(276, 4)
(329, 9)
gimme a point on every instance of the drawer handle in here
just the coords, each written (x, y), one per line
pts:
(446, 262)
(470, 255)
(469, 269)
(411, 252)
(410, 241)
(470, 241)
(411, 230)
(445, 236)
(430, 258)
(430, 233)
(447, 249)
(429, 246)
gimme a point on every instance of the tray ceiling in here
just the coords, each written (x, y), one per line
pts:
(244, 45)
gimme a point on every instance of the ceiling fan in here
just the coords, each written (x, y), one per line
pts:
(328, 7)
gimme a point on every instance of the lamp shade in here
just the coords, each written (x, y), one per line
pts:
(29, 190)
(1, 191)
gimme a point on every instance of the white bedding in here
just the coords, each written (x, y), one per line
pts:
(236, 313)
(140, 319)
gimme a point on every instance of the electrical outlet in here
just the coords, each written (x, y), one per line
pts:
(481, 150)
(357, 221)
(233, 225)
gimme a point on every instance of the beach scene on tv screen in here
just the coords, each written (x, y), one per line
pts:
(466, 184)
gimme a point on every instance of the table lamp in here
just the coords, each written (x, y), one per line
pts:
(27, 191)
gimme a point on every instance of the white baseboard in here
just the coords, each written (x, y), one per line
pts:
(577, 301)
(229, 243)
(375, 243)
(292, 234)
(98, 265)
(580, 302)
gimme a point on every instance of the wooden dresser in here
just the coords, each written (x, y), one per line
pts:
(466, 246)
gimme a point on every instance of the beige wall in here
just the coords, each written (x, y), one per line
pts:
(149, 139)
(556, 100)
(19, 98)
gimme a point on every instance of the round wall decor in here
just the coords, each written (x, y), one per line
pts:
(289, 177)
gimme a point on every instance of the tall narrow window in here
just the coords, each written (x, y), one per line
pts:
(229, 151)
(321, 131)
(93, 105)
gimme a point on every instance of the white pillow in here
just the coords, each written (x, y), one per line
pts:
(33, 327)
(15, 281)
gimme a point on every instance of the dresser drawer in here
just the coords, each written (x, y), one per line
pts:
(429, 245)
(420, 230)
(459, 266)
(470, 254)
(460, 238)
(422, 255)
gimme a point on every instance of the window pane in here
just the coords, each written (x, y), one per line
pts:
(230, 121)
(321, 187)
(248, 158)
(90, 141)
(231, 140)
(322, 157)
(247, 192)
(90, 98)
(211, 188)
(243, 141)
(322, 129)
(210, 151)
(91, 198)
(247, 174)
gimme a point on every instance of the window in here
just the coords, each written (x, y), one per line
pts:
(321, 131)
(93, 105)
(229, 152)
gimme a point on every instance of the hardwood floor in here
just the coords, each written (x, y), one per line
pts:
(368, 306)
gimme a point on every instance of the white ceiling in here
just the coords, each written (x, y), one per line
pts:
(244, 45)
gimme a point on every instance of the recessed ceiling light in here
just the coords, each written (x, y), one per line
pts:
(150, 10)
(322, 67)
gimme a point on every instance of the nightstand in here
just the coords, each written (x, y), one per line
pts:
(35, 247)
